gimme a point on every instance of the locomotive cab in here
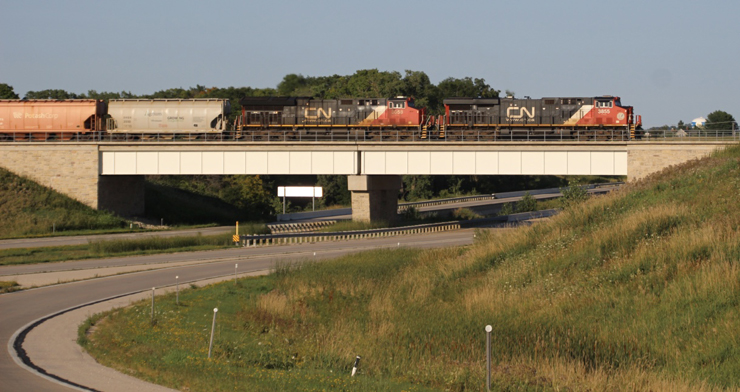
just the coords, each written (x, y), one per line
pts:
(401, 112)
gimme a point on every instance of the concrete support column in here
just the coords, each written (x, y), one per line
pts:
(374, 198)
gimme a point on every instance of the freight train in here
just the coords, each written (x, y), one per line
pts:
(85, 119)
(302, 118)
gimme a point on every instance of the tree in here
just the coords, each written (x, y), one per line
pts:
(720, 120)
(6, 92)
(52, 94)
(417, 188)
(249, 194)
(335, 190)
(371, 83)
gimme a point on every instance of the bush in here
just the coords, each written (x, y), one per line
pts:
(573, 194)
(528, 203)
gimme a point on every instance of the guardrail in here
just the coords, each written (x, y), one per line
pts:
(302, 227)
(426, 203)
(294, 238)
(297, 238)
(390, 136)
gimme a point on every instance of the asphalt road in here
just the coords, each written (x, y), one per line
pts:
(21, 308)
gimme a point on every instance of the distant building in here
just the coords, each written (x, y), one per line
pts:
(698, 122)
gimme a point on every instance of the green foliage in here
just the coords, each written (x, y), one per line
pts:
(466, 87)
(527, 203)
(720, 120)
(465, 214)
(417, 188)
(506, 209)
(9, 287)
(52, 94)
(573, 194)
(248, 193)
(6, 92)
(335, 191)
(411, 213)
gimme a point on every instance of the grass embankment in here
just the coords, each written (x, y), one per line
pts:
(28, 209)
(636, 290)
(126, 247)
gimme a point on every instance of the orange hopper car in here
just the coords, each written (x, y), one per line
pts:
(50, 118)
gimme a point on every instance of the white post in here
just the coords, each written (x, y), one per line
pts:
(152, 304)
(177, 290)
(213, 327)
(355, 366)
(235, 266)
(488, 357)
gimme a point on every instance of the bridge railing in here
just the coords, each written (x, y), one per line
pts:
(383, 136)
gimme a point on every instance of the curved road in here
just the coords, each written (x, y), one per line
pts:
(21, 308)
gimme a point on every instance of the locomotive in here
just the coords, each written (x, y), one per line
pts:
(365, 118)
(589, 118)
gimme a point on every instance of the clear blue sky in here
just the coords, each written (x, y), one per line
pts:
(672, 60)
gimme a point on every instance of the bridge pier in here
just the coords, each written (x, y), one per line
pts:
(374, 198)
(73, 170)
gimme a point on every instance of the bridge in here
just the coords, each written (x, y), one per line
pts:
(109, 175)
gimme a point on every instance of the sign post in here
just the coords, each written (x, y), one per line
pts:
(300, 191)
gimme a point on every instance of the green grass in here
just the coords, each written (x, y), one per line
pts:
(163, 353)
(635, 290)
(117, 248)
(28, 209)
(9, 287)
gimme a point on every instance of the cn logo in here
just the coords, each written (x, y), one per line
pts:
(517, 113)
(319, 113)
(17, 115)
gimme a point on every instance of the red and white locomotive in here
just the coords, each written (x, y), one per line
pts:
(589, 117)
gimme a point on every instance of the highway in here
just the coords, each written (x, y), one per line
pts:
(22, 308)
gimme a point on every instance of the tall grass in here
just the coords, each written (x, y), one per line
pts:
(636, 290)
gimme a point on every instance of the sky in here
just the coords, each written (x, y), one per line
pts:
(671, 60)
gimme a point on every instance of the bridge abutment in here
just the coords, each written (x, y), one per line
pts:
(644, 159)
(374, 198)
(73, 170)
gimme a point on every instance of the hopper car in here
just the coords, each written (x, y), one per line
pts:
(90, 119)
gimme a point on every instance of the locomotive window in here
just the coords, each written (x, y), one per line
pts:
(549, 102)
(375, 102)
(396, 105)
(346, 102)
(604, 104)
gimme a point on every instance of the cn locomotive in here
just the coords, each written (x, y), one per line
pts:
(592, 117)
(589, 118)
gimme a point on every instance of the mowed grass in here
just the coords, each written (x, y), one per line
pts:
(124, 247)
(636, 290)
